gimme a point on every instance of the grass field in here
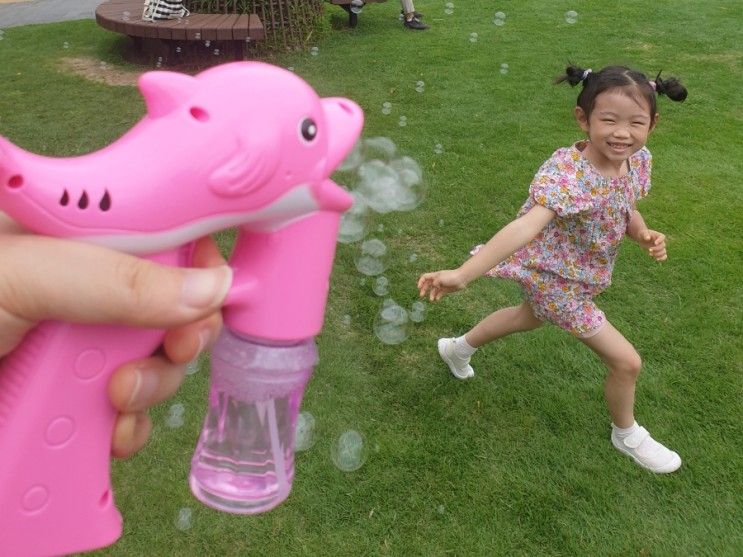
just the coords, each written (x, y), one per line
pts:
(518, 460)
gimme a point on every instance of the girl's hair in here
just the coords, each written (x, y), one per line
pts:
(635, 83)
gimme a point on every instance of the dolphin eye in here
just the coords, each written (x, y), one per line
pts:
(308, 129)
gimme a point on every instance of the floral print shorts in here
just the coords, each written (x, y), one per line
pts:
(565, 303)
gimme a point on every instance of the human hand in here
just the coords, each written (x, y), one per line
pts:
(654, 242)
(440, 283)
(47, 278)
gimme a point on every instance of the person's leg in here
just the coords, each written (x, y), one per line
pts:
(409, 16)
(456, 352)
(624, 365)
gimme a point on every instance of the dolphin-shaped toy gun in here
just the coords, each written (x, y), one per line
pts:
(243, 144)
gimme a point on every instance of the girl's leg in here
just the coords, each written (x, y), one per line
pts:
(456, 352)
(619, 389)
(624, 365)
(408, 8)
(501, 323)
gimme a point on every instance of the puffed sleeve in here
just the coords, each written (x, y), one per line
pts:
(644, 162)
(558, 185)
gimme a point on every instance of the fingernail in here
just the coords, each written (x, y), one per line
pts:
(206, 287)
(144, 387)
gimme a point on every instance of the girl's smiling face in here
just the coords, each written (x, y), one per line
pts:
(617, 127)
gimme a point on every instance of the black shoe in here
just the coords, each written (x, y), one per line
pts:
(414, 24)
(416, 15)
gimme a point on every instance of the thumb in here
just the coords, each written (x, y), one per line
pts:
(48, 278)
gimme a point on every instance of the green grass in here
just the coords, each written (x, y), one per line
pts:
(517, 461)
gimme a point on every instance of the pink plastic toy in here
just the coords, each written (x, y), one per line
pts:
(243, 144)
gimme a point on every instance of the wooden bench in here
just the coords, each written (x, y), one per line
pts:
(181, 40)
(353, 18)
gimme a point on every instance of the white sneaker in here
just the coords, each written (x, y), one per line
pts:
(459, 367)
(646, 451)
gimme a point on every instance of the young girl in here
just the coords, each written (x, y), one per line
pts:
(562, 246)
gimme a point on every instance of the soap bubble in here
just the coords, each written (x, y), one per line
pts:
(65, 45)
(346, 320)
(382, 148)
(354, 222)
(357, 6)
(159, 62)
(207, 44)
(192, 366)
(440, 509)
(304, 433)
(290, 68)
(449, 8)
(314, 51)
(441, 222)
(504, 68)
(348, 453)
(438, 148)
(216, 52)
(499, 18)
(183, 521)
(125, 16)
(178, 49)
(386, 107)
(418, 312)
(370, 261)
(197, 36)
(175, 417)
(473, 37)
(380, 228)
(403, 121)
(420, 86)
(391, 325)
(381, 286)
(571, 16)
(413, 257)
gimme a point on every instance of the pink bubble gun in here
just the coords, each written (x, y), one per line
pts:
(243, 144)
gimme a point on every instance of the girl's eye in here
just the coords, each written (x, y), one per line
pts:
(308, 129)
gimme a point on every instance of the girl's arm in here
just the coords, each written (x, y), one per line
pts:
(651, 240)
(506, 241)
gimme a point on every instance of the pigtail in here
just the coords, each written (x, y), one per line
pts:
(573, 75)
(671, 88)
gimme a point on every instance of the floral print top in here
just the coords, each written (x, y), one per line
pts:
(592, 214)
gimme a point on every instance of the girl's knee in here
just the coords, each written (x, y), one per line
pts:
(629, 364)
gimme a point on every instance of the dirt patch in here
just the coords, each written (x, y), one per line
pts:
(100, 72)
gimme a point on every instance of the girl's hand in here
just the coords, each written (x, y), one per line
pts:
(440, 283)
(654, 242)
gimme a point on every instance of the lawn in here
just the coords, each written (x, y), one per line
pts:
(516, 461)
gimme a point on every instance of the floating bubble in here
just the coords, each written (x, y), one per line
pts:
(441, 222)
(504, 68)
(449, 8)
(197, 36)
(420, 84)
(183, 521)
(438, 148)
(440, 509)
(216, 52)
(370, 261)
(125, 16)
(571, 16)
(356, 6)
(178, 49)
(290, 68)
(420, 89)
(382, 148)
(499, 15)
(499, 18)
(175, 418)
(380, 228)
(159, 62)
(403, 121)
(354, 222)
(381, 286)
(413, 257)
(304, 433)
(473, 37)
(346, 320)
(348, 453)
(417, 312)
(192, 366)
(65, 45)
(386, 107)
(207, 44)
(391, 325)
(314, 51)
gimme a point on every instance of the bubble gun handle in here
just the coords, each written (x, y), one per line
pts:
(243, 144)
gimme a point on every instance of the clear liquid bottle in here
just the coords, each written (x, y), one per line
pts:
(244, 460)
